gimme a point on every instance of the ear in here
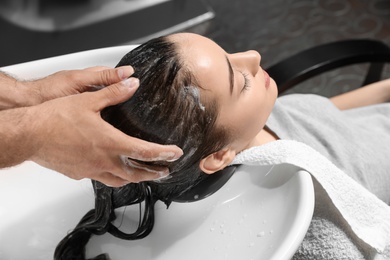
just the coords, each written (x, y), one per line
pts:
(217, 161)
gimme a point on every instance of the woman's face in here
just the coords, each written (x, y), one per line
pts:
(243, 90)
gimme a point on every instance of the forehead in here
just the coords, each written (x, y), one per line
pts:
(190, 43)
(205, 59)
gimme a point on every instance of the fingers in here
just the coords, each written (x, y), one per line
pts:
(133, 148)
(138, 149)
(102, 76)
(130, 166)
(116, 93)
(128, 170)
(131, 174)
(130, 148)
(97, 68)
(109, 77)
(147, 151)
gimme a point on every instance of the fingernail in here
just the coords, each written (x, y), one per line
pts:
(168, 156)
(175, 156)
(131, 82)
(125, 72)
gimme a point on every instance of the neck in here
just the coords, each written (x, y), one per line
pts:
(264, 136)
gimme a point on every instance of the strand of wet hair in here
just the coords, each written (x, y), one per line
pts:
(94, 222)
(98, 221)
(146, 221)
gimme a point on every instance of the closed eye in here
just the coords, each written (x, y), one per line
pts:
(246, 81)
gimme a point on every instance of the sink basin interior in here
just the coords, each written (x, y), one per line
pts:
(254, 216)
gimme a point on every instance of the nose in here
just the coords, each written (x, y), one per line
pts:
(249, 60)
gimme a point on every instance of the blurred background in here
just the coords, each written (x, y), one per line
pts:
(34, 29)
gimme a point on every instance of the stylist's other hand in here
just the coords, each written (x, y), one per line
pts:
(73, 139)
(69, 82)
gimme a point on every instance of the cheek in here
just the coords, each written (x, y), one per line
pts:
(258, 110)
(264, 100)
(252, 119)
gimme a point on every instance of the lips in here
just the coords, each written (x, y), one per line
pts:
(266, 79)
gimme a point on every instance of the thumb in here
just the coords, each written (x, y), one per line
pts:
(116, 93)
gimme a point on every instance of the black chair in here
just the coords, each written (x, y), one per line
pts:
(298, 68)
(314, 61)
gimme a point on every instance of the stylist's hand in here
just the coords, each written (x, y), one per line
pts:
(69, 82)
(72, 138)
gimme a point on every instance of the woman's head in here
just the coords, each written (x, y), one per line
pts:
(241, 90)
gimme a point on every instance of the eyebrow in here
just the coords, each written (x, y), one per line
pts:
(231, 75)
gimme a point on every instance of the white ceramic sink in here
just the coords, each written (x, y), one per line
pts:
(254, 216)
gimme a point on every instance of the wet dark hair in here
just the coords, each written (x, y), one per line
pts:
(165, 109)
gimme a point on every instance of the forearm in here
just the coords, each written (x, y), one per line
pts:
(14, 93)
(375, 93)
(17, 143)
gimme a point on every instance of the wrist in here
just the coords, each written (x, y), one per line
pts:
(16, 93)
(29, 92)
(18, 142)
(34, 123)
(10, 93)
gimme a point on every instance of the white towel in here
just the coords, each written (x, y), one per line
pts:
(368, 216)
